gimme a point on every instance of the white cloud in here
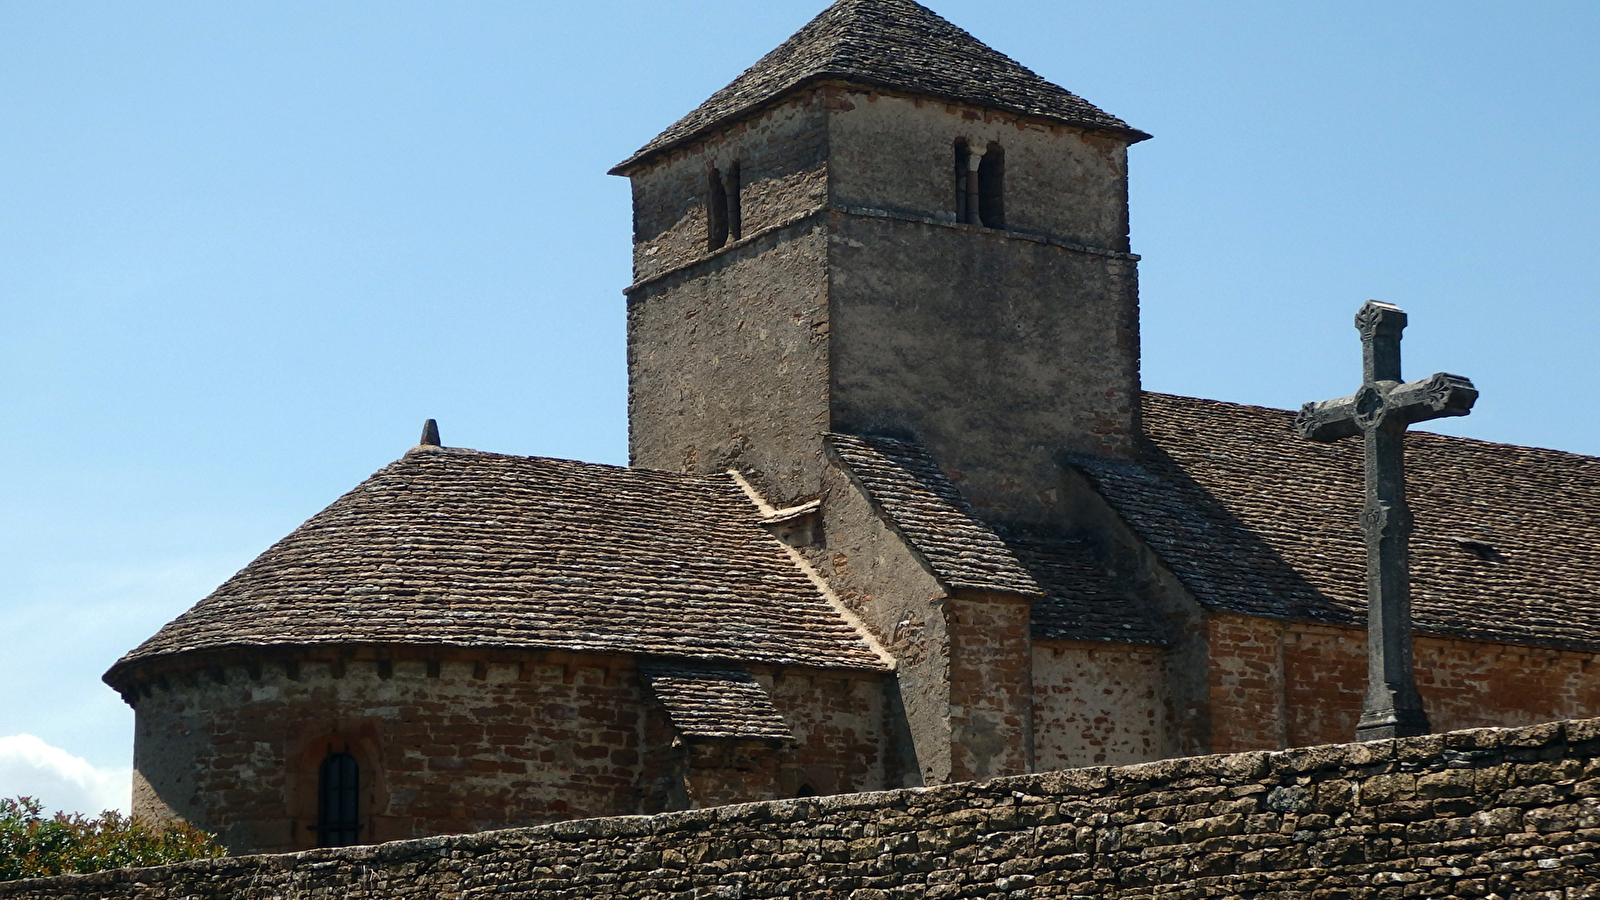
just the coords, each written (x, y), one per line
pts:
(30, 767)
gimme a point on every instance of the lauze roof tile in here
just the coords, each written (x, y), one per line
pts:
(1257, 521)
(1077, 599)
(708, 700)
(462, 548)
(893, 44)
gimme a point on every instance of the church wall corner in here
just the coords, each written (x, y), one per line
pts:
(874, 572)
(781, 157)
(728, 366)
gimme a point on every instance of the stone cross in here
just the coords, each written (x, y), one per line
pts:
(1380, 412)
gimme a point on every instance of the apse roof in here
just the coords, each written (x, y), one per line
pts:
(463, 548)
(895, 44)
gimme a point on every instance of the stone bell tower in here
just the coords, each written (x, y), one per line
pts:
(885, 227)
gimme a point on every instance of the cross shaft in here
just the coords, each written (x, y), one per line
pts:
(1380, 412)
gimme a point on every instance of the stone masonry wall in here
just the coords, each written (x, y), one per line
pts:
(991, 685)
(728, 365)
(1493, 813)
(1098, 704)
(897, 153)
(996, 352)
(1278, 684)
(455, 745)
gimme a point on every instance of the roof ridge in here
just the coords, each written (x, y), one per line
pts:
(1419, 432)
(720, 478)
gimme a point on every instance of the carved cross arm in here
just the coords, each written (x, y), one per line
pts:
(1328, 420)
(1435, 397)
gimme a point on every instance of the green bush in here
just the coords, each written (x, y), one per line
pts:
(32, 846)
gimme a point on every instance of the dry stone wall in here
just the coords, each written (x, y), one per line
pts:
(1492, 813)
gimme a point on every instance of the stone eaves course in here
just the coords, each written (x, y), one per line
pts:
(896, 44)
(463, 548)
(1254, 520)
(707, 700)
(1076, 598)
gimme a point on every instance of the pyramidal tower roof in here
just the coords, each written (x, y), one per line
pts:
(893, 44)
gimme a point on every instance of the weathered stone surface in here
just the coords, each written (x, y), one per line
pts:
(549, 736)
(1081, 833)
(1380, 412)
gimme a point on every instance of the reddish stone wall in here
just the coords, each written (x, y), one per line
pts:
(1245, 677)
(838, 722)
(991, 686)
(459, 745)
(445, 746)
(1276, 684)
(1098, 704)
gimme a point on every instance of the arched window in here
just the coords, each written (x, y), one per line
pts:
(991, 187)
(723, 215)
(338, 795)
(716, 210)
(963, 181)
(806, 790)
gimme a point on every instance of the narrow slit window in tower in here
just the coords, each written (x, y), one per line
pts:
(338, 797)
(716, 211)
(731, 189)
(991, 187)
(963, 160)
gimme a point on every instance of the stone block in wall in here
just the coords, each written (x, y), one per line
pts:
(1512, 813)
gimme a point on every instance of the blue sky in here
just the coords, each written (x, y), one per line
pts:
(246, 249)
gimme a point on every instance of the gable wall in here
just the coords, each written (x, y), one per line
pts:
(874, 573)
(1276, 683)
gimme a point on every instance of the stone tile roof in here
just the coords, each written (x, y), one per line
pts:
(463, 548)
(714, 701)
(893, 44)
(1257, 521)
(1081, 601)
(1076, 599)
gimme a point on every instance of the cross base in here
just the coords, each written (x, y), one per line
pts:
(1384, 724)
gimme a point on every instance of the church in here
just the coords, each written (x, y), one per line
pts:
(898, 513)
